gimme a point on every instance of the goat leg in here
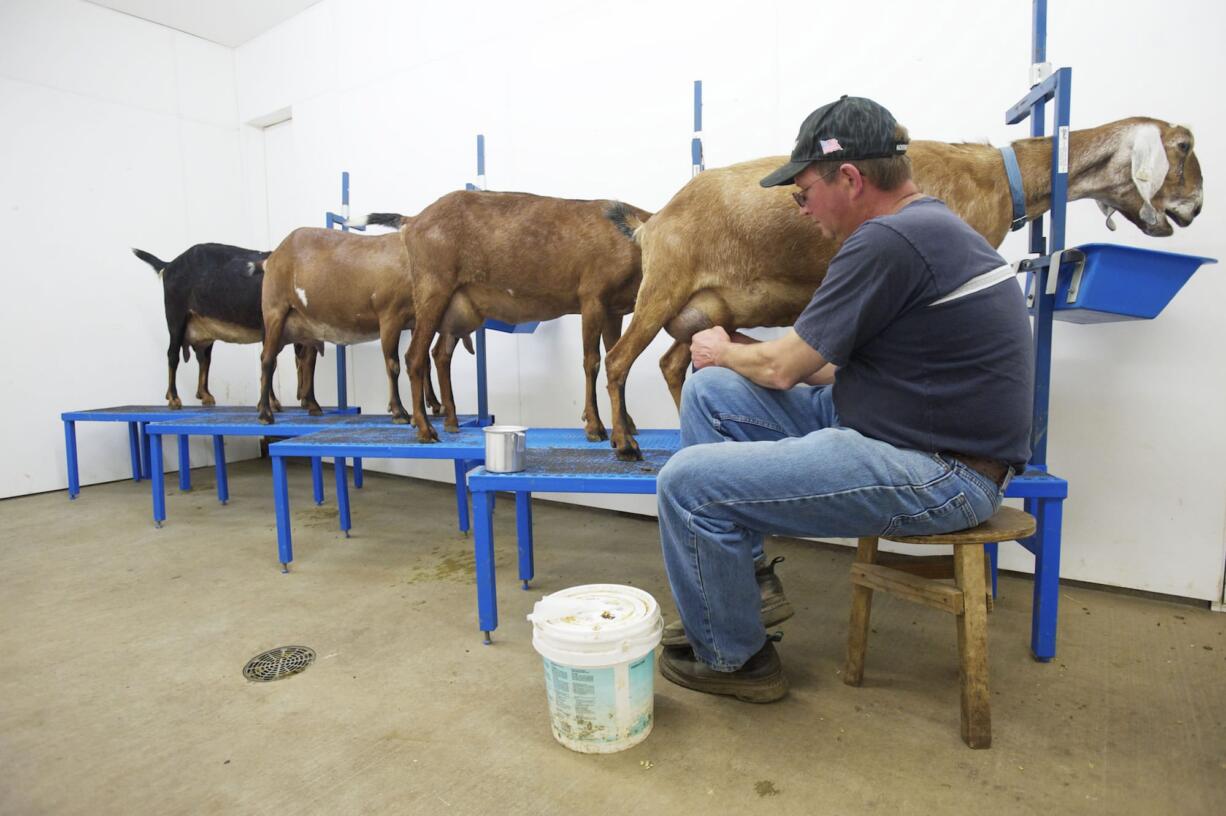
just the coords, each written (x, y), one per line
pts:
(610, 334)
(172, 359)
(204, 359)
(444, 347)
(430, 308)
(306, 377)
(674, 365)
(436, 407)
(389, 339)
(593, 319)
(273, 324)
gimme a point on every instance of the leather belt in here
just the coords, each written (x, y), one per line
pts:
(992, 469)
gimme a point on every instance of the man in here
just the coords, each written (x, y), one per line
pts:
(898, 403)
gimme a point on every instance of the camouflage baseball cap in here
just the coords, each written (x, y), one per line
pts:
(850, 128)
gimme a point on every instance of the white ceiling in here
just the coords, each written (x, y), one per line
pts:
(228, 22)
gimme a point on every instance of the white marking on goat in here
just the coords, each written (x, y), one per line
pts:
(301, 294)
(162, 273)
(1149, 167)
(250, 267)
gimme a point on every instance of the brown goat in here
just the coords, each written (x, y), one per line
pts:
(727, 252)
(518, 257)
(334, 286)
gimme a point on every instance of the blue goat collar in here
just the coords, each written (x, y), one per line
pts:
(1015, 188)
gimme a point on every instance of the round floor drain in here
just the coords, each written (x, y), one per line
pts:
(284, 661)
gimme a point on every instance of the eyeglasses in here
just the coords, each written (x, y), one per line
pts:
(801, 196)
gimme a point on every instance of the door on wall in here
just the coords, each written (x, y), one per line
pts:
(283, 173)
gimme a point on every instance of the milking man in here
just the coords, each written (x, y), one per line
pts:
(897, 404)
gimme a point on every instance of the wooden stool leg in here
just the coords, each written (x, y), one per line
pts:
(861, 607)
(973, 646)
(987, 579)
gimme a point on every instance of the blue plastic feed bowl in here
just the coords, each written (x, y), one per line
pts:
(1123, 283)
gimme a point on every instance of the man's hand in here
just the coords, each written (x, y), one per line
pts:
(707, 345)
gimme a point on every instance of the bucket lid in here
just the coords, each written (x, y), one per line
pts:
(596, 624)
(503, 429)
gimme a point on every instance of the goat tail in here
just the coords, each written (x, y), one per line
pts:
(253, 267)
(393, 220)
(628, 222)
(467, 340)
(157, 263)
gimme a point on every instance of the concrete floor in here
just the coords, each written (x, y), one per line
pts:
(121, 687)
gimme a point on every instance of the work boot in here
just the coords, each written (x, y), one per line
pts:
(760, 680)
(775, 607)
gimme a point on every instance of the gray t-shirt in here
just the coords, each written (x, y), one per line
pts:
(956, 377)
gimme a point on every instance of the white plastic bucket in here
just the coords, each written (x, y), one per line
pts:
(598, 643)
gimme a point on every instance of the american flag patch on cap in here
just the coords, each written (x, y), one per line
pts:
(829, 145)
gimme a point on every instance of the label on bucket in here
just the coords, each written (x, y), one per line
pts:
(605, 705)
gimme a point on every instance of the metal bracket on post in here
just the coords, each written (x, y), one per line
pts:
(1039, 72)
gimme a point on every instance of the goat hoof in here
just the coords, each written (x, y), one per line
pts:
(451, 427)
(207, 399)
(175, 404)
(627, 450)
(597, 435)
(400, 419)
(316, 411)
(266, 419)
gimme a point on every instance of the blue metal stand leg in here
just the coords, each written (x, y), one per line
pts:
(483, 550)
(157, 480)
(146, 468)
(461, 493)
(523, 532)
(317, 479)
(992, 550)
(219, 465)
(280, 497)
(70, 451)
(342, 494)
(134, 450)
(1046, 580)
(185, 465)
(357, 473)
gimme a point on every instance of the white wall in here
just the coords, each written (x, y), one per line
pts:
(117, 133)
(593, 100)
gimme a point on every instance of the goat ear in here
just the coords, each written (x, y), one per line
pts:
(1149, 168)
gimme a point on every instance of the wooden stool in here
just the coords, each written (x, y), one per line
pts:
(968, 599)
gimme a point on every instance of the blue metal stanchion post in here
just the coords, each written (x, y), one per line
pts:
(317, 479)
(696, 159)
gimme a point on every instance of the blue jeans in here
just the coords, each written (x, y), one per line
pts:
(794, 471)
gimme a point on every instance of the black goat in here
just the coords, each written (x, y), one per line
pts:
(212, 292)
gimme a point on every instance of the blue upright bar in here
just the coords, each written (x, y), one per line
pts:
(134, 450)
(185, 466)
(219, 466)
(70, 449)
